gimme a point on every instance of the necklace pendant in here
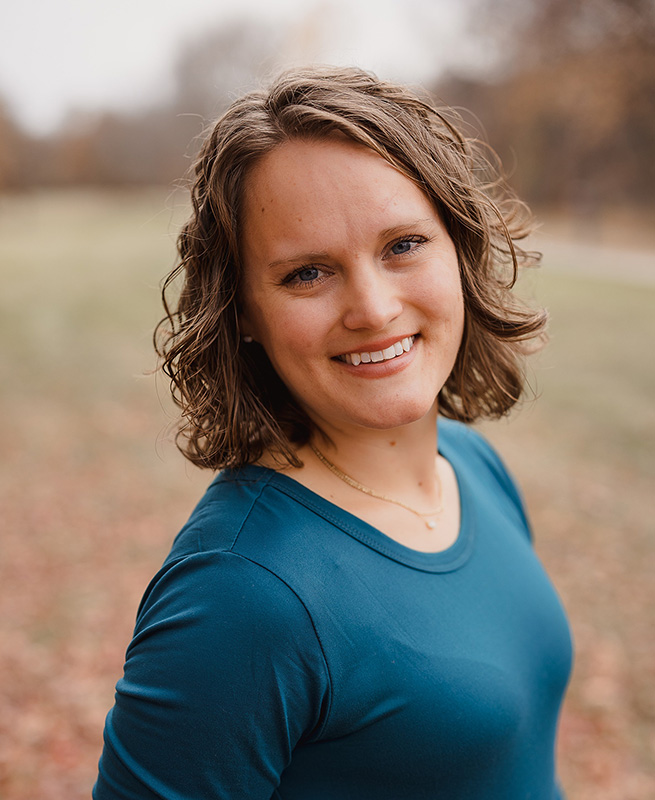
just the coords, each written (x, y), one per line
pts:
(431, 523)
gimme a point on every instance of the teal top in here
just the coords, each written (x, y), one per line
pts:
(289, 650)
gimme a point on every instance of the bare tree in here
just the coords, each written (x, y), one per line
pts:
(220, 65)
(571, 106)
(156, 144)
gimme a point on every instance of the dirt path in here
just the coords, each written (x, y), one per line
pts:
(619, 248)
(625, 264)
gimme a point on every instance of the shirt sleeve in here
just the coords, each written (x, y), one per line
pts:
(224, 676)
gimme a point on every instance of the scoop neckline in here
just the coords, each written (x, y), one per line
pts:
(447, 560)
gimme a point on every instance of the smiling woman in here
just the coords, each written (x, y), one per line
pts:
(342, 254)
(354, 609)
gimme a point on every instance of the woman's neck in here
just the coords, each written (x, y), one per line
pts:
(393, 479)
(398, 462)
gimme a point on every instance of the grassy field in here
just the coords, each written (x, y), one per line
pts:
(92, 489)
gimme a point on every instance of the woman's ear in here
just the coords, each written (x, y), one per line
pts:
(245, 327)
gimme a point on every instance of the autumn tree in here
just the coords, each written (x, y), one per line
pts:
(570, 104)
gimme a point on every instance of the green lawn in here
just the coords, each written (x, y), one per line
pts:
(93, 490)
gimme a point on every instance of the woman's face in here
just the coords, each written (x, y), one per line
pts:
(351, 284)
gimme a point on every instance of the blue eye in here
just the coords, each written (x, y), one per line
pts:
(400, 248)
(304, 277)
(307, 274)
(409, 244)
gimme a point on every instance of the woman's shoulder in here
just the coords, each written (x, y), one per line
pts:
(469, 446)
(220, 516)
(202, 587)
(473, 456)
(456, 433)
(242, 536)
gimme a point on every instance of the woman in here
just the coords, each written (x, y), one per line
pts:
(354, 609)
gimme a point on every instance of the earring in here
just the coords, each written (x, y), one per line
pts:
(247, 339)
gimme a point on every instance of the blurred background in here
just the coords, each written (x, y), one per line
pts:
(101, 110)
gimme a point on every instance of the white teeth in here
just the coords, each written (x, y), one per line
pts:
(396, 349)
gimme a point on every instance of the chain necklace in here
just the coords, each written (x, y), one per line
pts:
(429, 523)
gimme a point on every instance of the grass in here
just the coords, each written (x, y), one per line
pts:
(584, 456)
(92, 489)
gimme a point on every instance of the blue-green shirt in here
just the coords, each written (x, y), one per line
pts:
(289, 650)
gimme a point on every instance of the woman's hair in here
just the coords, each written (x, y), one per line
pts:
(233, 404)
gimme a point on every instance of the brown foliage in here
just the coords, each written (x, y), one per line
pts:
(579, 133)
(570, 106)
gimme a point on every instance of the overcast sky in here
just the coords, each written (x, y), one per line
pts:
(56, 55)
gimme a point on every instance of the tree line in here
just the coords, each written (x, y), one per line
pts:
(569, 106)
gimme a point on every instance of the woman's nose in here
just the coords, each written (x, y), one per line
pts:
(371, 299)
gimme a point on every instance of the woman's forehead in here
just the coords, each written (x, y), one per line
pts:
(324, 188)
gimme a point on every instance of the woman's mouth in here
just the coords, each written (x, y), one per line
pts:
(375, 356)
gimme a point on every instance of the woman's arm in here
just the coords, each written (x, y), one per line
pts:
(223, 677)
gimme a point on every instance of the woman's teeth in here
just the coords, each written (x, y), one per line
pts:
(396, 349)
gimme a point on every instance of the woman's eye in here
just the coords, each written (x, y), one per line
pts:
(307, 274)
(405, 246)
(304, 277)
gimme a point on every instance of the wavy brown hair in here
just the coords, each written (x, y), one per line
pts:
(234, 406)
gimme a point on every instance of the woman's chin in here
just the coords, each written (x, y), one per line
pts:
(388, 418)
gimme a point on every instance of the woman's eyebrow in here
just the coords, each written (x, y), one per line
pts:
(305, 258)
(298, 258)
(404, 227)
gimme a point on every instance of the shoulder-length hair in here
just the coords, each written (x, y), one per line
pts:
(234, 406)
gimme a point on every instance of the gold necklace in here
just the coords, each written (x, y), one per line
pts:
(429, 523)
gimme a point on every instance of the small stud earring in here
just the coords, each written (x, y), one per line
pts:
(247, 339)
